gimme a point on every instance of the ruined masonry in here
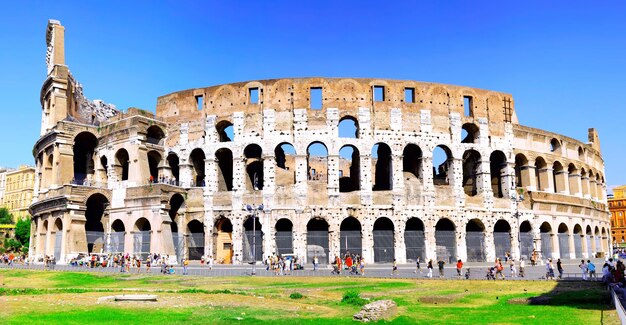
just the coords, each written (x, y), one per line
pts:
(316, 167)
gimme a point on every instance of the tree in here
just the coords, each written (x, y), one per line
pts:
(5, 216)
(22, 231)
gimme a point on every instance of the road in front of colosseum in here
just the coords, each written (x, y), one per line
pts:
(477, 270)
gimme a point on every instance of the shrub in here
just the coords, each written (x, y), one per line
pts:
(296, 295)
(353, 298)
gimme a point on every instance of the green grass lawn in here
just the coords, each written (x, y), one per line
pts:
(36, 297)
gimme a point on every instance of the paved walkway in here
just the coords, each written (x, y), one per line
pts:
(477, 270)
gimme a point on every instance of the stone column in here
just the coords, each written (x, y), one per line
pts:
(532, 178)
(585, 186)
(333, 238)
(507, 177)
(333, 176)
(366, 179)
(461, 244)
(185, 175)
(367, 240)
(269, 180)
(237, 238)
(301, 179)
(428, 188)
(547, 181)
(398, 180)
(456, 181)
(430, 243)
(572, 248)
(299, 236)
(490, 245)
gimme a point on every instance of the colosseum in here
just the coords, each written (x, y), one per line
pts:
(313, 167)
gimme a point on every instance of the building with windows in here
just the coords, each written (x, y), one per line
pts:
(376, 167)
(3, 183)
(617, 206)
(18, 196)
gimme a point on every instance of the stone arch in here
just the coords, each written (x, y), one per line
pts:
(541, 174)
(383, 170)
(195, 239)
(155, 135)
(350, 236)
(442, 164)
(317, 240)
(223, 241)
(122, 160)
(526, 239)
(412, 161)
(471, 170)
(348, 127)
(350, 161)
(118, 236)
(253, 239)
(173, 162)
(497, 167)
(154, 162)
(142, 237)
(224, 157)
(445, 239)
(578, 241)
(317, 161)
(284, 236)
(502, 238)
(254, 167)
(84, 147)
(475, 241)
(96, 205)
(522, 173)
(558, 177)
(196, 159)
(104, 162)
(414, 239)
(581, 154)
(547, 247)
(563, 235)
(470, 133)
(384, 240)
(225, 131)
(103, 192)
(573, 178)
(555, 145)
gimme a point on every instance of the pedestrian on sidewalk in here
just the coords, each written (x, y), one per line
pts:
(430, 268)
(592, 270)
(459, 268)
(559, 267)
(418, 269)
(441, 263)
(394, 268)
(584, 268)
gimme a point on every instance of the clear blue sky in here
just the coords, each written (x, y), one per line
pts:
(564, 62)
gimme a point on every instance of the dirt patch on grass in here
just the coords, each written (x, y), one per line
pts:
(436, 300)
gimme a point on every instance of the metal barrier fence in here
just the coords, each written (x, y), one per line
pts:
(502, 241)
(95, 242)
(415, 245)
(475, 241)
(284, 242)
(446, 245)
(526, 242)
(195, 244)
(116, 244)
(350, 241)
(546, 245)
(141, 243)
(248, 240)
(383, 246)
(563, 245)
(578, 246)
(317, 245)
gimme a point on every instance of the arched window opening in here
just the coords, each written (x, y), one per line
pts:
(526, 240)
(412, 161)
(317, 240)
(142, 237)
(284, 237)
(105, 168)
(224, 159)
(94, 225)
(522, 175)
(546, 240)
(254, 167)
(349, 169)
(155, 135)
(558, 177)
(223, 240)
(497, 166)
(286, 165)
(415, 240)
(502, 238)
(350, 237)
(573, 176)
(118, 236)
(123, 161)
(475, 241)
(541, 174)
(470, 133)
(442, 163)
(317, 162)
(197, 158)
(85, 145)
(445, 239)
(154, 159)
(555, 145)
(471, 170)
(383, 179)
(348, 127)
(252, 247)
(195, 240)
(172, 161)
(563, 241)
(581, 154)
(384, 241)
(225, 131)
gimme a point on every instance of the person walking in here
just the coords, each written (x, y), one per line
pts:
(441, 263)
(522, 266)
(559, 267)
(499, 269)
(584, 268)
(418, 269)
(394, 268)
(315, 261)
(592, 270)
(430, 268)
(185, 266)
(549, 270)
(362, 265)
(459, 268)
(210, 262)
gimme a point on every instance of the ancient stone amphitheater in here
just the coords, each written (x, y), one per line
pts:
(313, 167)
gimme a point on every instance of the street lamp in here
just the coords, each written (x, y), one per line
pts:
(254, 209)
(517, 199)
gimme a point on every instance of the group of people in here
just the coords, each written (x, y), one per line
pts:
(281, 265)
(10, 258)
(587, 268)
(163, 180)
(354, 264)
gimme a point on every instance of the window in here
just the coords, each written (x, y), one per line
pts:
(468, 101)
(409, 95)
(253, 94)
(199, 102)
(315, 94)
(379, 93)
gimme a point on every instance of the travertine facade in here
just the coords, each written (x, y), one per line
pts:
(177, 183)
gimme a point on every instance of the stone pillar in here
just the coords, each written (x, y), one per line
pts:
(269, 180)
(398, 180)
(428, 188)
(211, 172)
(333, 238)
(399, 244)
(429, 240)
(237, 238)
(185, 175)
(585, 186)
(461, 244)
(507, 178)
(570, 239)
(546, 179)
(367, 240)
(300, 235)
(333, 176)
(301, 179)
(366, 179)
(574, 185)
(516, 251)
(456, 181)
(532, 178)
(490, 245)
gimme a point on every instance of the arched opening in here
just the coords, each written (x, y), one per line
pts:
(470, 133)
(442, 163)
(606, 241)
(475, 241)
(588, 240)
(584, 181)
(58, 238)
(105, 168)
(445, 239)
(581, 154)
(546, 240)
(122, 161)
(317, 240)
(383, 173)
(563, 241)
(471, 170)
(578, 241)
(155, 135)
(541, 174)
(526, 239)
(94, 229)
(43, 237)
(172, 161)
(497, 167)
(223, 241)
(254, 167)
(176, 203)
(349, 169)
(350, 237)
(348, 127)
(412, 162)
(573, 176)
(225, 131)
(154, 159)
(85, 144)
(252, 240)
(195, 240)
(558, 177)
(196, 159)
(598, 239)
(317, 162)
(142, 237)
(286, 165)
(522, 175)
(284, 237)
(118, 236)
(555, 145)
(224, 159)
(414, 240)
(384, 240)
(502, 238)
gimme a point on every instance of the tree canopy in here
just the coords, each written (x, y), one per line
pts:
(5, 216)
